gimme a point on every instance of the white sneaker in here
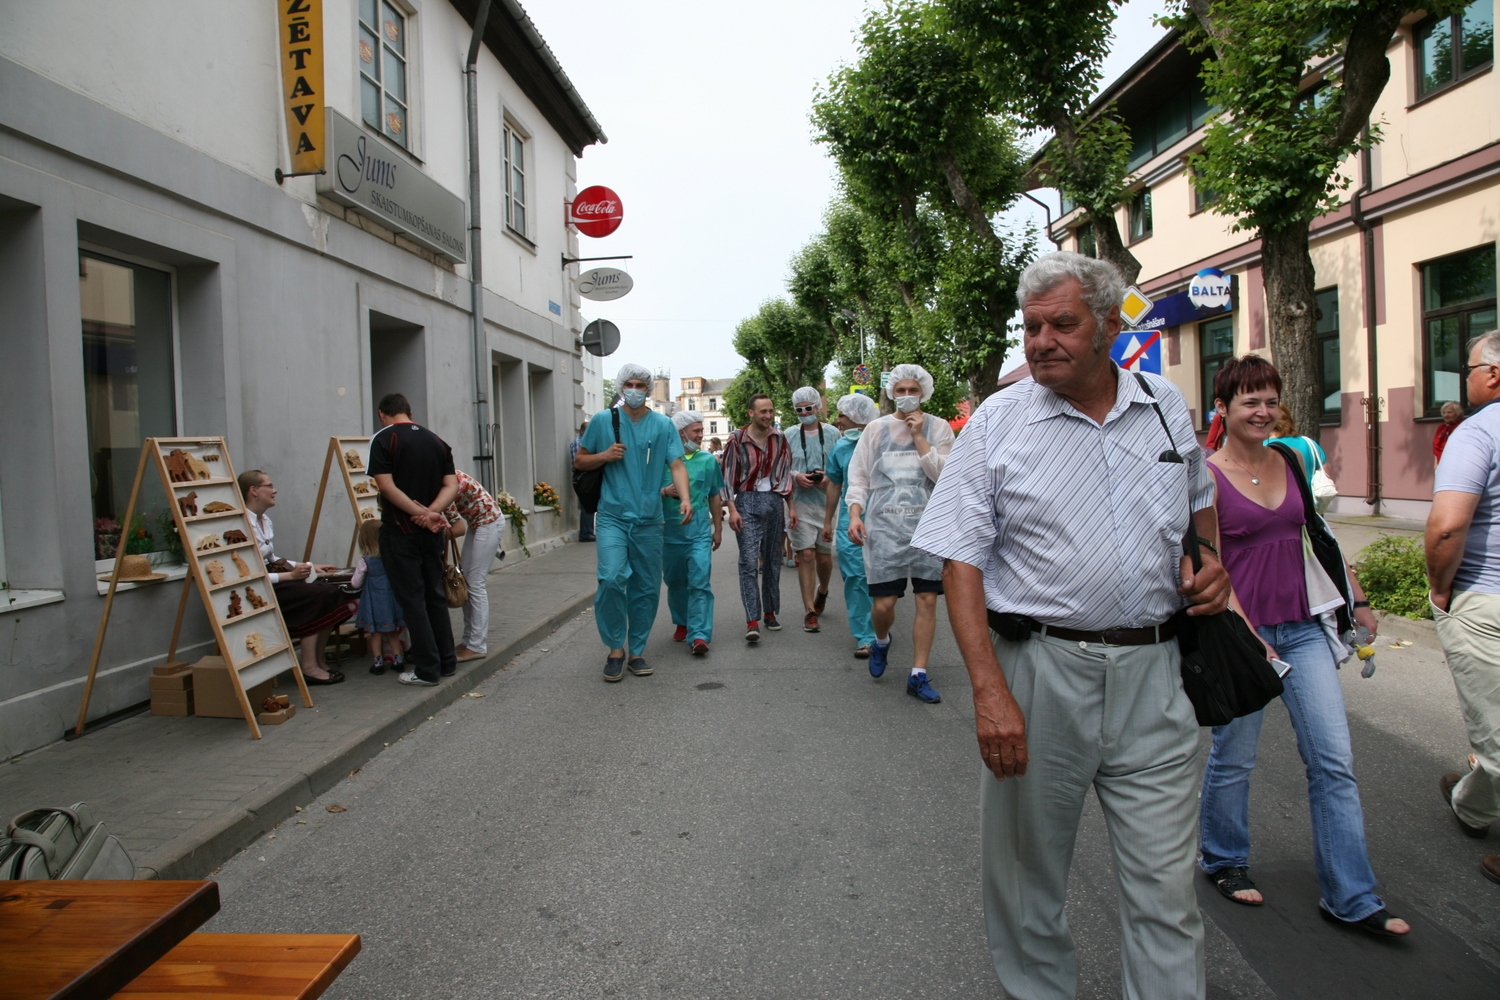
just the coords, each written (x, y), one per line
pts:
(411, 677)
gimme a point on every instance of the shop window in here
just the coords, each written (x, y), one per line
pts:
(1087, 243)
(1453, 47)
(515, 179)
(129, 391)
(383, 32)
(1140, 215)
(1458, 304)
(1328, 355)
(1215, 347)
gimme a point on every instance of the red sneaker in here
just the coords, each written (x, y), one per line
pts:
(680, 635)
(700, 647)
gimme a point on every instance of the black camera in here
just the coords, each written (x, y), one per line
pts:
(816, 475)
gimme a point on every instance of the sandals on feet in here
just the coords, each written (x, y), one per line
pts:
(1232, 880)
(1374, 924)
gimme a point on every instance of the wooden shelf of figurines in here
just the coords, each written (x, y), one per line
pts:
(351, 455)
(224, 565)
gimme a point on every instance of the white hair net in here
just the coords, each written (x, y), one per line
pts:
(805, 395)
(629, 371)
(683, 419)
(901, 373)
(859, 408)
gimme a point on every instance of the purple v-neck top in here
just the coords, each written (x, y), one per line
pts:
(1262, 550)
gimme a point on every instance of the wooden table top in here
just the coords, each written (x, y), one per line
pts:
(247, 967)
(87, 938)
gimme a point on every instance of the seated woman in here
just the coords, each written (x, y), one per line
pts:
(311, 610)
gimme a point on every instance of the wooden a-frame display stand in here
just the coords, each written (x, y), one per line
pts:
(222, 559)
(352, 456)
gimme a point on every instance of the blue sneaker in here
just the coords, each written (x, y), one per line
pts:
(918, 686)
(639, 667)
(878, 654)
(614, 668)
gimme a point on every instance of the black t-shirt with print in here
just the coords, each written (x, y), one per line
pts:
(416, 460)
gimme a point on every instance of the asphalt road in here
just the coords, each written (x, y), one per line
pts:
(771, 822)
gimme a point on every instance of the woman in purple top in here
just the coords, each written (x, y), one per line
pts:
(1261, 517)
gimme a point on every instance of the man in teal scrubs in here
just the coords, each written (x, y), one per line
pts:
(628, 524)
(855, 411)
(687, 549)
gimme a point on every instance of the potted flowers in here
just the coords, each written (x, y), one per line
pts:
(517, 517)
(543, 495)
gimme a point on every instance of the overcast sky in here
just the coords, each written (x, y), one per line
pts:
(710, 149)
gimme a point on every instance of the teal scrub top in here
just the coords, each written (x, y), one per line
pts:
(705, 479)
(632, 489)
(838, 471)
(1306, 447)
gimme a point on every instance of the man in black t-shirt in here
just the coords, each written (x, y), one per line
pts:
(413, 468)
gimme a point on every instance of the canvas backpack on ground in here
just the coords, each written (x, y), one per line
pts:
(58, 843)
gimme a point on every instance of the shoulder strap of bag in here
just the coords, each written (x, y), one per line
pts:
(453, 545)
(1189, 537)
(614, 418)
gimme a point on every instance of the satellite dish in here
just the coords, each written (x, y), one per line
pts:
(601, 338)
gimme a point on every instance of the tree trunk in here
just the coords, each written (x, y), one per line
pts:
(982, 379)
(1112, 248)
(966, 202)
(986, 373)
(1291, 309)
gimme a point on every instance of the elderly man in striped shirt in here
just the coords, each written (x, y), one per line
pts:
(1060, 516)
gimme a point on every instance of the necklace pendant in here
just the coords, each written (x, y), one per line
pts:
(1254, 481)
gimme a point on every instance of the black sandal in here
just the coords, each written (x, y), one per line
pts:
(1232, 880)
(1374, 924)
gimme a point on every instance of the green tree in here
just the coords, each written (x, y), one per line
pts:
(1042, 62)
(784, 347)
(1295, 82)
(922, 151)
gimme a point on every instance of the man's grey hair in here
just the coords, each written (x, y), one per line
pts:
(1102, 283)
(1489, 347)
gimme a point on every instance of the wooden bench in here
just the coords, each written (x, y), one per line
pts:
(250, 966)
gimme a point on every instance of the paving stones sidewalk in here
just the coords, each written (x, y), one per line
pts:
(183, 794)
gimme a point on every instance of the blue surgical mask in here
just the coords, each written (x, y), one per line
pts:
(853, 433)
(908, 404)
(689, 446)
(634, 398)
(808, 418)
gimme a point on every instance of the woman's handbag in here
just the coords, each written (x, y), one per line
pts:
(454, 584)
(1225, 672)
(1323, 488)
(58, 843)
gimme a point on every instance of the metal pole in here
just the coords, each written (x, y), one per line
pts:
(483, 459)
(1373, 486)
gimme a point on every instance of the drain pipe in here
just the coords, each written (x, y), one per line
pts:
(1372, 346)
(484, 460)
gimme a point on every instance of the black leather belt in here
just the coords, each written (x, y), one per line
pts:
(1017, 628)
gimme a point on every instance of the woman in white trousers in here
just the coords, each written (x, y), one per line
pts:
(476, 516)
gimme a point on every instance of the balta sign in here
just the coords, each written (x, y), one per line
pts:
(596, 211)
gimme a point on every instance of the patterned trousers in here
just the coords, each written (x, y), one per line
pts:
(763, 518)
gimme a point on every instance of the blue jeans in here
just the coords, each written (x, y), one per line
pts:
(1315, 703)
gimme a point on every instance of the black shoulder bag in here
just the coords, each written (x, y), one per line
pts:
(588, 484)
(1225, 672)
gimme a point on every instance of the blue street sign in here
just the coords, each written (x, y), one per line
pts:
(1138, 351)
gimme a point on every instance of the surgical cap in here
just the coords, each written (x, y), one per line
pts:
(901, 373)
(859, 408)
(805, 395)
(629, 371)
(683, 419)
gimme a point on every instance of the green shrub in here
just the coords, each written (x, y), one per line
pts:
(1393, 572)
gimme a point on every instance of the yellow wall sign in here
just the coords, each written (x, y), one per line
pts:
(1136, 306)
(301, 47)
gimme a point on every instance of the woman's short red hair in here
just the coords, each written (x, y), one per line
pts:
(1247, 374)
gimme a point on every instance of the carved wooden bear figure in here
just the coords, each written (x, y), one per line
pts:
(234, 537)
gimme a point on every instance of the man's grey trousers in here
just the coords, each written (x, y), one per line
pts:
(1116, 718)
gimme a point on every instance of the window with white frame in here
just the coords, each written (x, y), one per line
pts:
(515, 179)
(383, 100)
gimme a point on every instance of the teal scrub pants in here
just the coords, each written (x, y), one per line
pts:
(857, 600)
(629, 580)
(686, 565)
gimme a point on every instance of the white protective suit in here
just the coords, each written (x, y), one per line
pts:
(892, 484)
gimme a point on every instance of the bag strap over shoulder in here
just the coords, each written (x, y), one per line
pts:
(1189, 537)
(614, 418)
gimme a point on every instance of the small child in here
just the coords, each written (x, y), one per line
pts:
(379, 614)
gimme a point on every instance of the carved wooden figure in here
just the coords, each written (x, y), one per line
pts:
(179, 466)
(215, 571)
(352, 460)
(256, 601)
(234, 537)
(239, 565)
(256, 643)
(189, 504)
(207, 542)
(235, 607)
(217, 507)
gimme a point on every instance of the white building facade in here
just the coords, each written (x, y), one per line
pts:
(159, 281)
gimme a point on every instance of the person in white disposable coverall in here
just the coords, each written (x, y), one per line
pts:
(895, 465)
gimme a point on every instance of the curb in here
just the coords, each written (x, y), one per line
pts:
(216, 840)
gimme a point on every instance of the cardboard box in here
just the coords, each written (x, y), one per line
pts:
(171, 668)
(213, 692)
(160, 709)
(180, 681)
(172, 702)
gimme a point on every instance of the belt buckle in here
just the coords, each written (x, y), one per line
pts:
(1106, 633)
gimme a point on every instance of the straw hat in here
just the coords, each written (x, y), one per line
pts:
(136, 569)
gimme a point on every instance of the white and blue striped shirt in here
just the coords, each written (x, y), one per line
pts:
(1073, 523)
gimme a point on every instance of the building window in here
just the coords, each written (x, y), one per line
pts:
(1215, 346)
(713, 427)
(1328, 355)
(1087, 243)
(515, 179)
(713, 404)
(1454, 47)
(1140, 215)
(1203, 195)
(129, 394)
(1458, 304)
(382, 69)
(1172, 121)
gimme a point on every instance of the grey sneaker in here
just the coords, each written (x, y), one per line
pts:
(414, 678)
(614, 668)
(639, 667)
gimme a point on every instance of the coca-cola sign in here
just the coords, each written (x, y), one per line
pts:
(596, 211)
